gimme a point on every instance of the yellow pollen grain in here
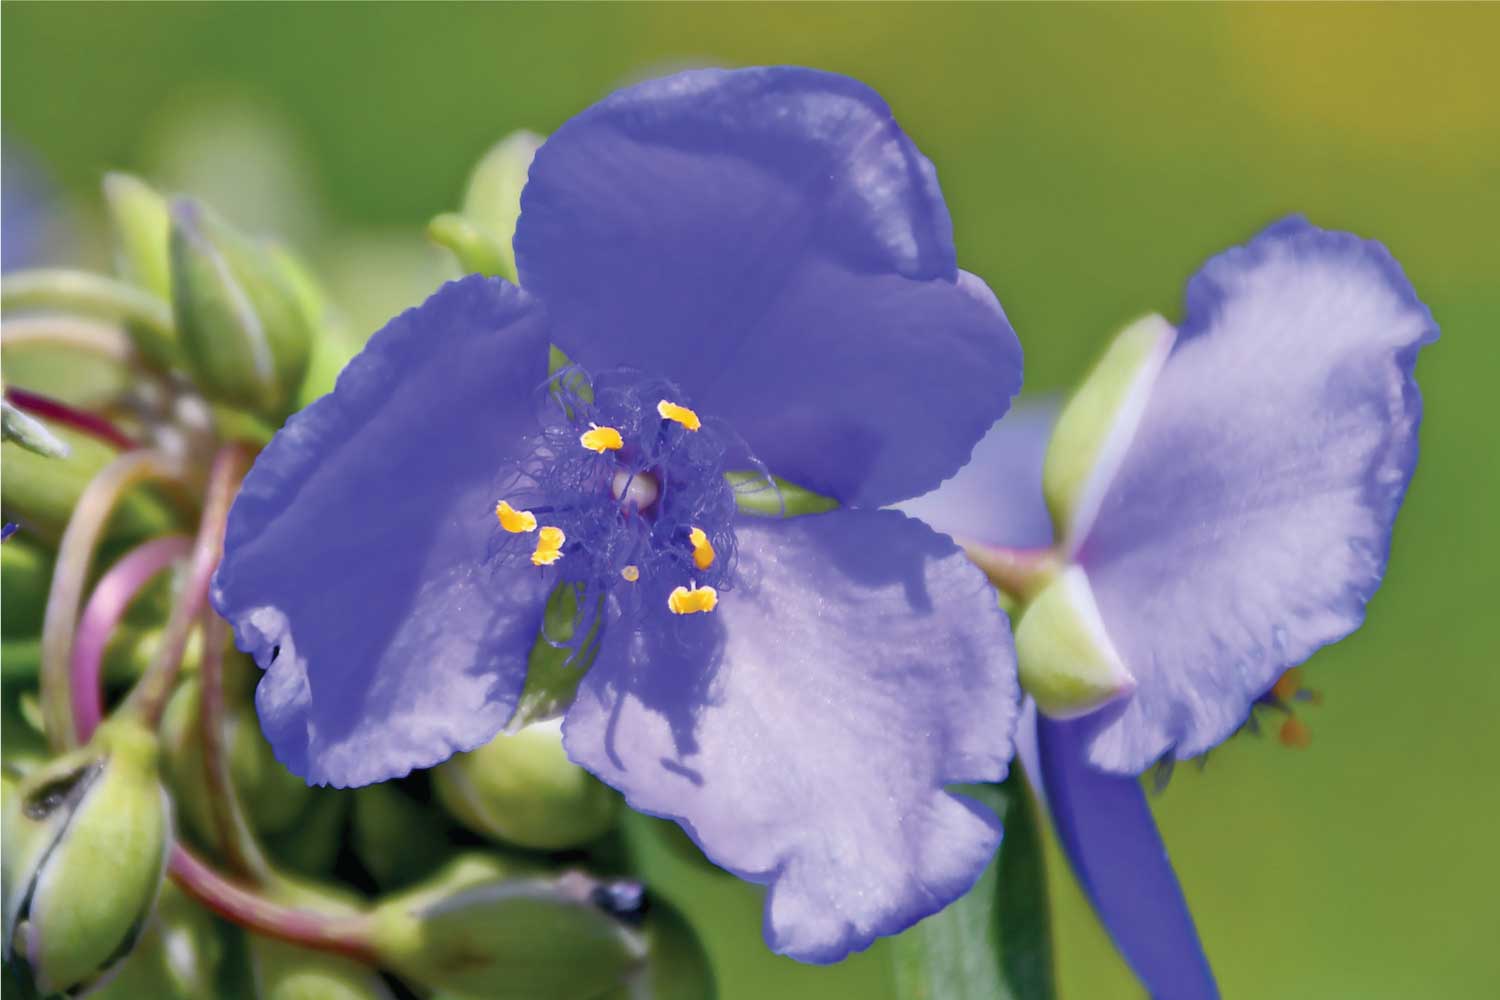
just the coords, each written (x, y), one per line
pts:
(703, 549)
(631, 573)
(683, 601)
(549, 543)
(601, 439)
(681, 414)
(514, 521)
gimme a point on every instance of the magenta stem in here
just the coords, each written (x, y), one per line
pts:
(101, 615)
(60, 412)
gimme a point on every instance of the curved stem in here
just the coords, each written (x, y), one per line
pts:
(73, 557)
(236, 838)
(88, 294)
(150, 696)
(90, 336)
(114, 593)
(347, 935)
(60, 412)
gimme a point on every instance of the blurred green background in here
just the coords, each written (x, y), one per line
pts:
(1092, 158)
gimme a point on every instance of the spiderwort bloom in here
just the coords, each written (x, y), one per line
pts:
(1233, 513)
(756, 269)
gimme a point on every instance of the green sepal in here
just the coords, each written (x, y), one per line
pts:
(244, 332)
(995, 942)
(555, 666)
(1097, 423)
(476, 250)
(1063, 654)
(772, 496)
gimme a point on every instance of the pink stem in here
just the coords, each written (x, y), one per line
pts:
(106, 606)
(345, 935)
(56, 410)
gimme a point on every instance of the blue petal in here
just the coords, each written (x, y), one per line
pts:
(770, 240)
(997, 497)
(354, 561)
(1106, 829)
(803, 733)
(1250, 520)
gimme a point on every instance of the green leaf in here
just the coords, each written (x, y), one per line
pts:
(996, 942)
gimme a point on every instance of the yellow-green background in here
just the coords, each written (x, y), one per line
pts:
(1092, 158)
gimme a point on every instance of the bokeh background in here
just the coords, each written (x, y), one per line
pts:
(1092, 158)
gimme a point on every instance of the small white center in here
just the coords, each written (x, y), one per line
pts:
(638, 490)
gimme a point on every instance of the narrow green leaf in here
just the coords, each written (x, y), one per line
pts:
(996, 942)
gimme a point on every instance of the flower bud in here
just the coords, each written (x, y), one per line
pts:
(1097, 424)
(676, 966)
(245, 333)
(143, 227)
(85, 843)
(29, 433)
(571, 937)
(480, 235)
(397, 839)
(285, 972)
(177, 957)
(272, 796)
(42, 493)
(521, 788)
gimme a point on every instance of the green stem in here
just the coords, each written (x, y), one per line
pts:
(89, 295)
(74, 556)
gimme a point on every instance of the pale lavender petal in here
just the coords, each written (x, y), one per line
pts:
(804, 733)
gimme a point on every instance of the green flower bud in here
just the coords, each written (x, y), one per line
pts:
(85, 844)
(177, 957)
(314, 839)
(272, 796)
(1064, 656)
(244, 331)
(285, 972)
(25, 576)
(676, 966)
(42, 492)
(143, 228)
(29, 433)
(396, 839)
(566, 938)
(521, 788)
(480, 235)
(1097, 424)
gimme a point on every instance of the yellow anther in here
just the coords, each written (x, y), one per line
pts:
(549, 543)
(601, 439)
(688, 602)
(703, 549)
(514, 521)
(631, 573)
(681, 414)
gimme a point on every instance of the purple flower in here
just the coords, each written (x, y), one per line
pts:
(756, 269)
(1237, 517)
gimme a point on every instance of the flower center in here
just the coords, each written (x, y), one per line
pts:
(623, 493)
